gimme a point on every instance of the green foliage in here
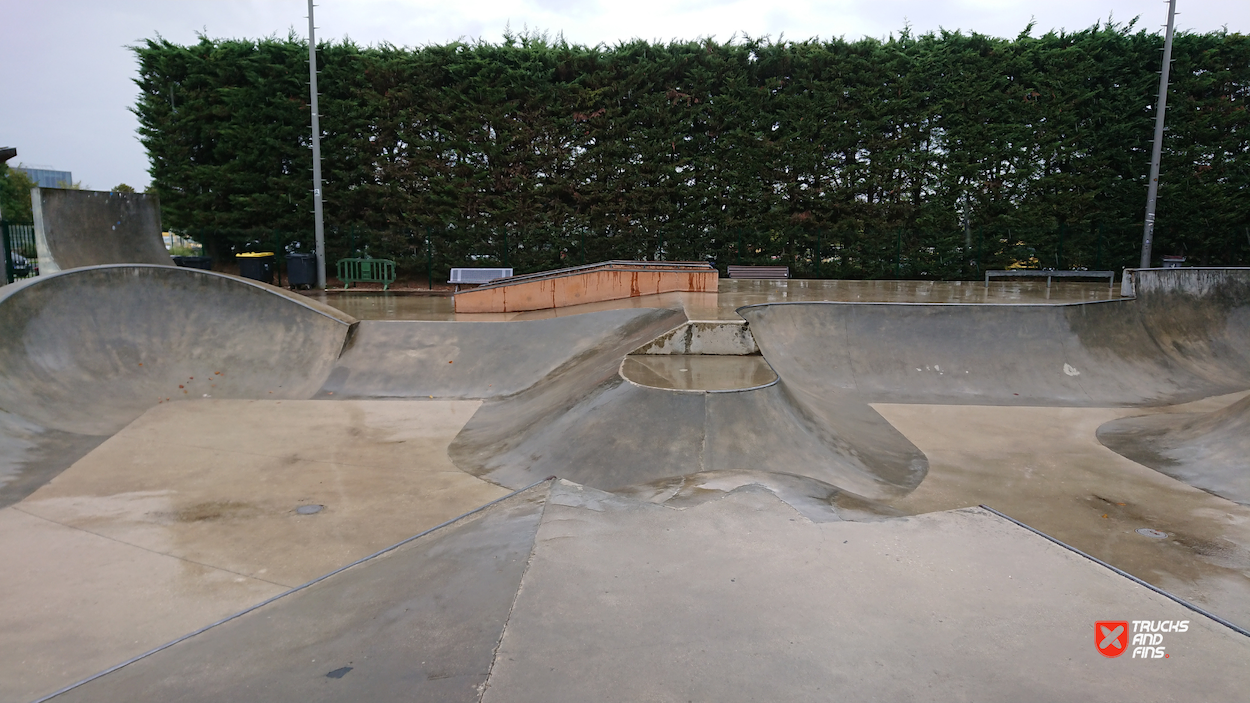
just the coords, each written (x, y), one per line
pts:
(841, 158)
(123, 188)
(15, 195)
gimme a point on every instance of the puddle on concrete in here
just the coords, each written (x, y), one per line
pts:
(695, 372)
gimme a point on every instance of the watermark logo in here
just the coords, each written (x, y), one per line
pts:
(1111, 637)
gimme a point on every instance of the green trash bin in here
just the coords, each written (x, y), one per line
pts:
(257, 265)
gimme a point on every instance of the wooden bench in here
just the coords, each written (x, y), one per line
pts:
(476, 276)
(759, 272)
(366, 271)
(1049, 274)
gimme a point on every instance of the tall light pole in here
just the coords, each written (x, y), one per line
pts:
(1152, 194)
(319, 225)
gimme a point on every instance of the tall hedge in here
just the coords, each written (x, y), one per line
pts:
(931, 155)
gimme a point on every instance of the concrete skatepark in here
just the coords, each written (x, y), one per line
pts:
(76, 228)
(767, 492)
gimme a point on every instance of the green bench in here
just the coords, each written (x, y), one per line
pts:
(366, 271)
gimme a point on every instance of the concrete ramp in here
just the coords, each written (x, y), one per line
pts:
(594, 427)
(75, 228)
(90, 349)
(469, 360)
(1186, 336)
(1210, 451)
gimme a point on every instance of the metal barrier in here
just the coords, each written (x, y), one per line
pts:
(366, 271)
(759, 272)
(17, 249)
(1049, 274)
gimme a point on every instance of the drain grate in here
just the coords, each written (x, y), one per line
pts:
(1152, 533)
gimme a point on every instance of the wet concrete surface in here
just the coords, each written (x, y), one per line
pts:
(733, 294)
(419, 623)
(192, 512)
(742, 599)
(816, 500)
(694, 372)
(1208, 450)
(565, 593)
(193, 509)
(1046, 468)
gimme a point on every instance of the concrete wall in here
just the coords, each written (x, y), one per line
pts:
(719, 338)
(75, 228)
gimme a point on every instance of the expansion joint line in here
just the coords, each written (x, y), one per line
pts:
(1166, 594)
(520, 584)
(150, 550)
(267, 601)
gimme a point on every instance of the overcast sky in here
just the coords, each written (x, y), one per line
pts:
(66, 75)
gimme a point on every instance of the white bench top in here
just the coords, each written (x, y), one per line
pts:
(758, 271)
(478, 275)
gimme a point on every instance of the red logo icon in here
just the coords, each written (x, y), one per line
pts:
(1111, 637)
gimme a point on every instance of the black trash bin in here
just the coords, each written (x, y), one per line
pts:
(301, 270)
(195, 262)
(257, 266)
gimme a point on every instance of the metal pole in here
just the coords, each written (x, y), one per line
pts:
(967, 227)
(980, 248)
(898, 256)
(1148, 232)
(4, 251)
(319, 222)
(1059, 249)
(818, 257)
(1098, 250)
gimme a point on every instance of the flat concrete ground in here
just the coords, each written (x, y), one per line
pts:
(742, 599)
(1046, 468)
(567, 593)
(190, 514)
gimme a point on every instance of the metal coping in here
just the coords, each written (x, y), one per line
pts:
(1058, 273)
(933, 305)
(296, 589)
(16, 287)
(620, 265)
(1194, 268)
(1235, 628)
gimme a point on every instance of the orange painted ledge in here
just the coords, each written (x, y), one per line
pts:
(610, 280)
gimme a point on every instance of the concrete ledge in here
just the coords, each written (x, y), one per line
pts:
(612, 280)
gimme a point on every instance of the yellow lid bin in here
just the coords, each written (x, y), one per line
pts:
(256, 265)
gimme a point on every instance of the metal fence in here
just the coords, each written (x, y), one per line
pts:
(810, 252)
(21, 259)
